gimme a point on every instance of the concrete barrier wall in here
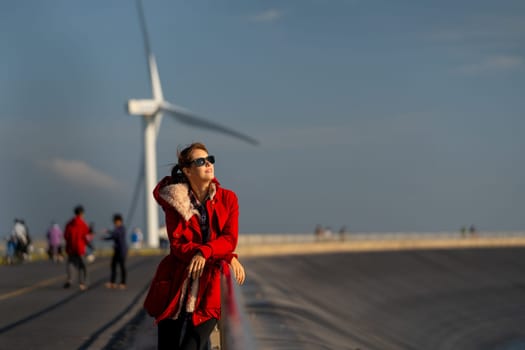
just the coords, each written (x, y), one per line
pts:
(278, 244)
(257, 238)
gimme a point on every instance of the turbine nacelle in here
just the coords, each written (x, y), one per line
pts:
(143, 107)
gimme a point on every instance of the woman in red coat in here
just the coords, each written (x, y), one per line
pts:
(202, 224)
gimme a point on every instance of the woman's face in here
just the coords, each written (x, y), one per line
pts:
(199, 174)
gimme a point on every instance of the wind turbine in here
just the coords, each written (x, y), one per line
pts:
(151, 111)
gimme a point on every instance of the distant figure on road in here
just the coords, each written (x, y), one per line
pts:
(20, 236)
(28, 249)
(342, 233)
(54, 242)
(120, 250)
(202, 225)
(136, 238)
(472, 231)
(90, 244)
(76, 236)
(328, 233)
(318, 232)
(10, 250)
(463, 231)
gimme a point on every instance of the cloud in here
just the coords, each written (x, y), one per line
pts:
(482, 29)
(80, 173)
(270, 15)
(494, 63)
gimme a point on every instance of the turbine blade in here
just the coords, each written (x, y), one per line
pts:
(187, 117)
(145, 36)
(156, 87)
(138, 187)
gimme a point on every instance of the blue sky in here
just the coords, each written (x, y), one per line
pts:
(378, 115)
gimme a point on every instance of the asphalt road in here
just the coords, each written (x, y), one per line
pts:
(37, 313)
(409, 300)
(442, 299)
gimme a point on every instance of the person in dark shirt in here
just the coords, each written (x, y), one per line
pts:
(120, 250)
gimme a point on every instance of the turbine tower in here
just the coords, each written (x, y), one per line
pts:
(151, 111)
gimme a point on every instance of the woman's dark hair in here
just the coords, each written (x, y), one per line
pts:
(78, 210)
(177, 176)
(184, 160)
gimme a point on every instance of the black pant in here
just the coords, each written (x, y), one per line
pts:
(76, 261)
(172, 336)
(121, 261)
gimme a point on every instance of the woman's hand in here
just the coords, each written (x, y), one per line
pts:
(196, 266)
(238, 270)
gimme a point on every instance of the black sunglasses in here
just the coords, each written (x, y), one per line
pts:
(201, 161)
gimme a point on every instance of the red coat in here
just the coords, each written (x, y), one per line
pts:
(76, 236)
(171, 281)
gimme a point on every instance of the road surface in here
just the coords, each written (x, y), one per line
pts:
(422, 299)
(37, 313)
(442, 299)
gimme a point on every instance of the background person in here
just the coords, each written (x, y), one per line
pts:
(463, 231)
(472, 230)
(342, 233)
(54, 241)
(136, 238)
(76, 237)
(90, 244)
(10, 252)
(120, 251)
(20, 236)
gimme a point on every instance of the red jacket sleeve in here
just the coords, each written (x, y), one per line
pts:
(180, 246)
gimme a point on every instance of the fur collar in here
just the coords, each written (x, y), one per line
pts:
(178, 196)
